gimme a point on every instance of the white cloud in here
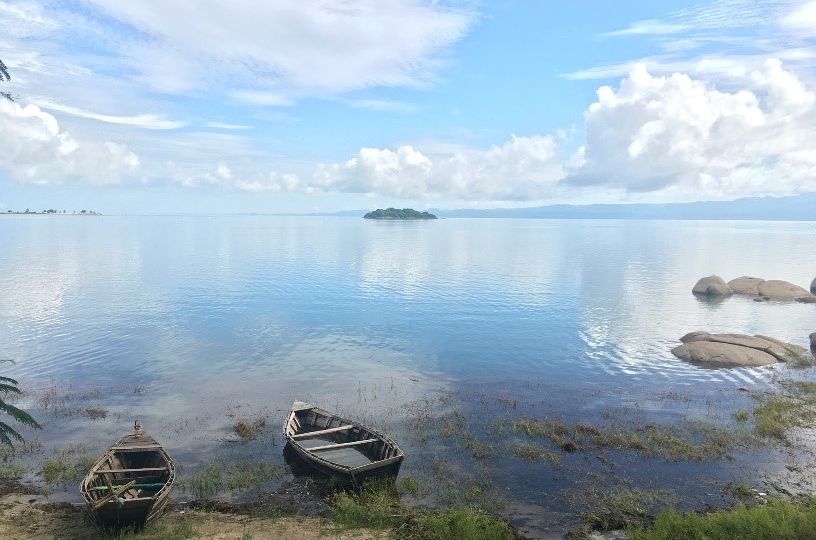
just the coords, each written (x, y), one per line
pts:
(682, 135)
(802, 19)
(521, 168)
(649, 27)
(382, 105)
(288, 48)
(34, 149)
(147, 121)
(227, 126)
(255, 97)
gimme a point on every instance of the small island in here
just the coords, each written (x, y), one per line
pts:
(396, 213)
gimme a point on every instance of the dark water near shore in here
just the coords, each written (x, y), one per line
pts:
(224, 317)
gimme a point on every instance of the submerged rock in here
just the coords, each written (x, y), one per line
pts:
(746, 285)
(731, 350)
(712, 286)
(781, 290)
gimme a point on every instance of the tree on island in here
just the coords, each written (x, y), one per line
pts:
(396, 213)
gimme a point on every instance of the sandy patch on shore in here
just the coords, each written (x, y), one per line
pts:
(22, 519)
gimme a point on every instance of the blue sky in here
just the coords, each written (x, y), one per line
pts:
(320, 106)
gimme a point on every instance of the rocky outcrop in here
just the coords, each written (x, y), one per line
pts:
(712, 286)
(746, 285)
(732, 350)
(813, 341)
(761, 289)
(813, 286)
(781, 290)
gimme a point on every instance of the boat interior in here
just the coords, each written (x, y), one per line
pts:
(337, 440)
(130, 474)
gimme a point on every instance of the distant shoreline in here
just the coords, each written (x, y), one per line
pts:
(72, 213)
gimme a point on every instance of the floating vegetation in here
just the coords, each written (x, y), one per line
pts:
(248, 430)
(67, 465)
(96, 413)
(532, 453)
(696, 442)
(742, 491)
(776, 414)
(620, 507)
(221, 474)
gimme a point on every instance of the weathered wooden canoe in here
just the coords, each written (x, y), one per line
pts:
(130, 483)
(338, 446)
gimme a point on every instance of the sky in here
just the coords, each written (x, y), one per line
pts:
(295, 106)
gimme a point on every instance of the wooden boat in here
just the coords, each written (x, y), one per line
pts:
(130, 483)
(338, 446)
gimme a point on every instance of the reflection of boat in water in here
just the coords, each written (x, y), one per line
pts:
(338, 446)
(130, 483)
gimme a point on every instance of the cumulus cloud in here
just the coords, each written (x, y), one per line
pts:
(287, 48)
(521, 168)
(34, 149)
(654, 133)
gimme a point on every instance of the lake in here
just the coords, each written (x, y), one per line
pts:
(190, 322)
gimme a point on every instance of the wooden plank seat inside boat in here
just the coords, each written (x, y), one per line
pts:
(337, 445)
(130, 483)
(144, 468)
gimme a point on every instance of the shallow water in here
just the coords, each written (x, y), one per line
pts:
(217, 318)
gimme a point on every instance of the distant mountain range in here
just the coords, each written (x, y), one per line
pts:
(793, 208)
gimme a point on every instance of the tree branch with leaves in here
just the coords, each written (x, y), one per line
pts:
(7, 433)
(5, 77)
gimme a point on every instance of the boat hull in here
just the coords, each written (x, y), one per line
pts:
(130, 484)
(339, 447)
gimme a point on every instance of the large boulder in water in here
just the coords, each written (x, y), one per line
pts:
(712, 286)
(781, 290)
(730, 350)
(813, 286)
(714, 354)
(746, 285)
(813, 341)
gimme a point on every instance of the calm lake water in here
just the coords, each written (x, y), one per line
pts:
(215, 318)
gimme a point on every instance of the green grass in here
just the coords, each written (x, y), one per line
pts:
(11, 470)
(693, 442)
(618, 508)
(220, 475)
(742, 415)
(776, 414)
(66, 466)
(742, 491)
(376, 506)
(410, 485)
(178, 529)
(532, 453)
(460, 524)
(776, 520)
